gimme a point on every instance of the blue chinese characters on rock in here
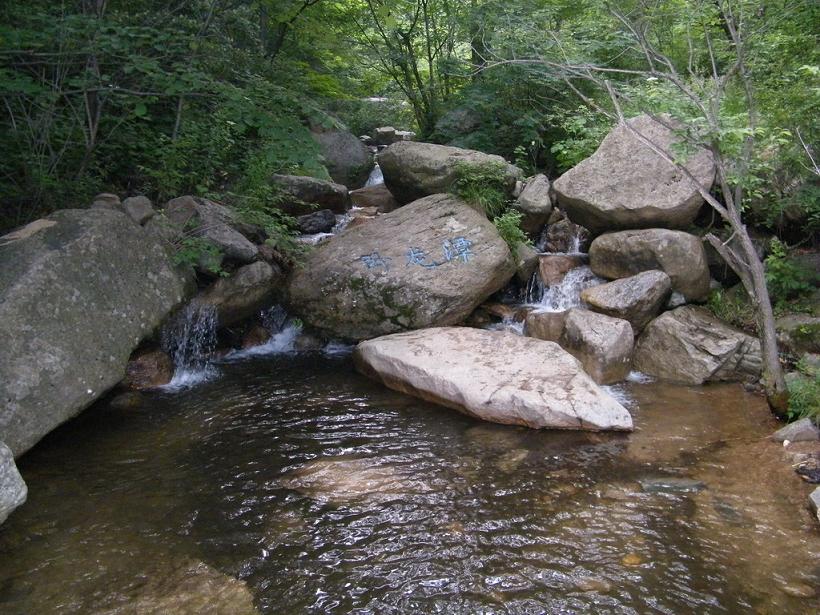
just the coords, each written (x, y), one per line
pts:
(455, 250)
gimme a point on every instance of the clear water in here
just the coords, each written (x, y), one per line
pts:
(479, 518)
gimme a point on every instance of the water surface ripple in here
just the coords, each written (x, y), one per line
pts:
(475, 518)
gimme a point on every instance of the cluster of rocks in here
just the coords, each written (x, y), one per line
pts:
(413, 262)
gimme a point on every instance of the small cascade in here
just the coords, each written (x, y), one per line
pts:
(190, 338)
(284, 332)
(564, 295)
(375, 177)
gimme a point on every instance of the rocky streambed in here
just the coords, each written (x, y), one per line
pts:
(292, 484)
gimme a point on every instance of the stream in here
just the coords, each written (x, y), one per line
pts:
(694, 512)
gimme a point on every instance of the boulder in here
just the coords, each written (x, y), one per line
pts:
(79, 291)
(564, 236)
(303, 195)
(626, 185)
(148, 369)
(413, 170)
(352, 479)
(250, 289)
(321, 221)
(803, 430)
(347, 159)
(139, 209)
(13, 491)
(187, 588)
(106, 200)
(690, 346)
(553, 267)
(429, 263)
(526, 262)
(799, 333)
(211, 221)
(637, 298)
(680, 255)
(387, 135)
(603, 344)
(814, 502)
(494, 376)
(547, 326)
(535, 204)
(377, 196)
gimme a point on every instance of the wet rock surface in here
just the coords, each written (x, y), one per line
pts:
(346, 479)
(493, 376)
(250, 289)
(148, 369)
(13, 489)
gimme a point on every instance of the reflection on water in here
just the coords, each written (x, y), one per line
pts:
(326, 493)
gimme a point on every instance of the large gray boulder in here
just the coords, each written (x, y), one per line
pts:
(413, 170)
(250, 289)
(637, 298)
(535, 204)
(347, 159)
(494, 376)
(690, 346)
(427, 264)
(625, 184)
(601, 343)
(13, 489)
(680, 255)
(79, 291)
(302, 195)
(212, 221)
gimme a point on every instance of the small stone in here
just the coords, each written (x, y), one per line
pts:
(632, 559)
(798, 590)
(671, 484)
(814, 502)
(590, 584)
(126, 401)
(803, 430)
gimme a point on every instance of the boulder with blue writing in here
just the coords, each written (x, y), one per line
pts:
(430, 263)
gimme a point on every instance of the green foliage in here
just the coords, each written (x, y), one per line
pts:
(508, 225)
(198, 251)
(785, 278)
(482, 185)
(804, 393)
(485, 185)
(733, 307)
(583, 131)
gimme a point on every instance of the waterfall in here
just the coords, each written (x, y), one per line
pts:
(190, 338)
(376, 176)
(564, 295)
(283, 330)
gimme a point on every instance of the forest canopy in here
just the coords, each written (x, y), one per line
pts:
(213, 96)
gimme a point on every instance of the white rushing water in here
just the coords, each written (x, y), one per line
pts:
(376, 176)
(190, 338)
(564, 295)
